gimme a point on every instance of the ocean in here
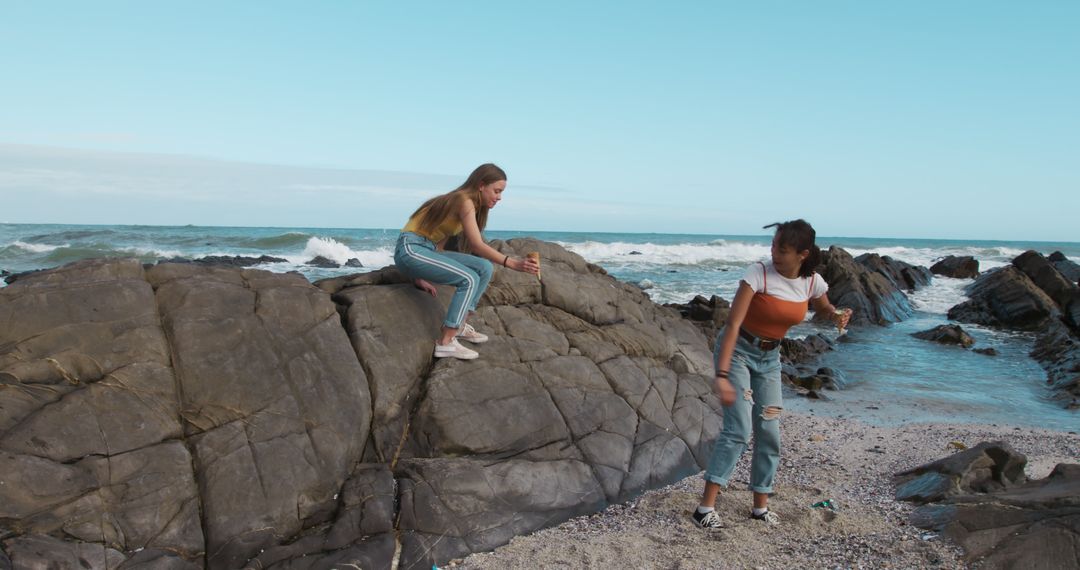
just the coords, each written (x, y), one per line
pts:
(894, 378)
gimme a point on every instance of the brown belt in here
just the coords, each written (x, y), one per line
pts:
(762, 343)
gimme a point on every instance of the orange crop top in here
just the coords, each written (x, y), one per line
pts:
(770, 317)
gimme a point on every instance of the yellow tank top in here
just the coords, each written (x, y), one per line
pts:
(450, 226)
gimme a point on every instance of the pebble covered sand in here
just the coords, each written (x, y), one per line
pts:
(844, 460)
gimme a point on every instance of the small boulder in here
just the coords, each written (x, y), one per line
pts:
(957, 267)
(947, 334)
(353, 262)
(986, 351)
(323, 262)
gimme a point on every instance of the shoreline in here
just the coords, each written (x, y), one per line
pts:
(846, 460)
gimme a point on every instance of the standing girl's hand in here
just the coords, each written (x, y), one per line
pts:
(725, 390)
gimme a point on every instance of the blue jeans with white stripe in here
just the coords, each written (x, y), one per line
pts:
(416, 257)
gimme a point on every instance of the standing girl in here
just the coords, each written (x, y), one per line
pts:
(420, 253)
(772, 297)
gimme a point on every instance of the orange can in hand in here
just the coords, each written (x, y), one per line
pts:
(535, 256)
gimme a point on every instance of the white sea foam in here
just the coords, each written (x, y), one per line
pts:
(719, 251)
(341, 253)
(941, 295)
(988, 257)
(37, 247)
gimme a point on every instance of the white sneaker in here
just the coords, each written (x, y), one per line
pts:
(454, 350)
(468, 333)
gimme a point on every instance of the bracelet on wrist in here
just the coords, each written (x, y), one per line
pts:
(505, 259)
(721, 373)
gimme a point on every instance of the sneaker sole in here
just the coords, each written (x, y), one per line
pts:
(472, 340)
(472, 356)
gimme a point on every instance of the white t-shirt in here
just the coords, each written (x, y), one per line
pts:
(776, 285)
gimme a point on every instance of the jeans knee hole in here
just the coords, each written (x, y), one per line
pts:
(771, 412)
(748, 395)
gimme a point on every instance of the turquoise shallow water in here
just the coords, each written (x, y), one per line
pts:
(904, 378)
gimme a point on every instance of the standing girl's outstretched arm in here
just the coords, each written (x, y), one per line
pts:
(722, 364)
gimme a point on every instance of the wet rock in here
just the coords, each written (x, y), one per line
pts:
(957, 267)
(947, 334)
(805, 350)
(235, 260)
(986, 351)
(1006, 298)
(902, 275)
(1068, 268)
(353, 262)
(873, 296)
(635, 252)
(323, 262)
(1057, 349)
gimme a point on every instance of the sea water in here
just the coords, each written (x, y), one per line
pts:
(893, 377)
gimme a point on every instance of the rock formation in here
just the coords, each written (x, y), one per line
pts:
(190, 416)
(981, 499)
(957, 267)
(1032, 295)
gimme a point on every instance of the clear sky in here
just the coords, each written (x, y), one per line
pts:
(956, 119)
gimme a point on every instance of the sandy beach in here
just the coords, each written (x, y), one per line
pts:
(844, 460)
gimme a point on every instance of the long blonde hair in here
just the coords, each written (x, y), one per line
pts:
(437, 209)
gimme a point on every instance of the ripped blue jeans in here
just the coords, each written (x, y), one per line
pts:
(755, 374)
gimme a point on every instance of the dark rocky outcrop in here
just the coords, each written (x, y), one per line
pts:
(981, 499)
(1068, 268)
(323, 262)
(353, 262)
(957, 267)
(875, 297)
(1006, 298)
(1058, 350)
(709, 315)
(1047, 277)
(237, 260)
(902, 275)
(1032, 295)
(191, 416)
(947, 334)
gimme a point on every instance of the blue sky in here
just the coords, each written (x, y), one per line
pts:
(882, 119)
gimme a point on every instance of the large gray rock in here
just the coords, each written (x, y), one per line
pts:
(194, 416)
(1003, 521)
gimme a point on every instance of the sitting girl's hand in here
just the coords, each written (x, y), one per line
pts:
(425, 287)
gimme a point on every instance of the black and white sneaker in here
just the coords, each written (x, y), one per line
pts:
(770, 518)
(709, 520)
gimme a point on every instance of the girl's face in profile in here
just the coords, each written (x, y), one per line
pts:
(492, 193)
(786, 259)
